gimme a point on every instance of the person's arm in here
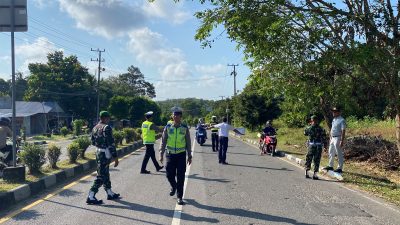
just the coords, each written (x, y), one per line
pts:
(188, 146)
(155, 128)
(342, 137)
(163, 143)
(111, 144)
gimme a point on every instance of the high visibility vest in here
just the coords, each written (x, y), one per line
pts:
(170, 122)
(176, 142)
(214, 129)
(148, 135)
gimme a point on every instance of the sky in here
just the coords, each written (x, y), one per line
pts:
(158, 38)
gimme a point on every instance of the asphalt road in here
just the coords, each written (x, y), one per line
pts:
(252, 189)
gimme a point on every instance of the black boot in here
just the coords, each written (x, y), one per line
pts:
(180, 201)
(307, 176)
(315, 177)
(92, 200)
(111, 195)
(172, 192)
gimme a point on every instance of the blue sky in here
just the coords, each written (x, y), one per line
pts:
(156, 37)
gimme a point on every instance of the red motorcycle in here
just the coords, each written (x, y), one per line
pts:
(267, 144)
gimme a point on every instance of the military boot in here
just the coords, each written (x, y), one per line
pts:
(111, 195)
(306, 173)
(92, 200)
(315, 177)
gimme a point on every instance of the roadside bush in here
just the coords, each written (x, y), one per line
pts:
(64, 131)
(129, 134)
(83, 143)
(78, 124)
(34, 157)
(73, 152)
(119, 137)
(53, 155)
(138, 134)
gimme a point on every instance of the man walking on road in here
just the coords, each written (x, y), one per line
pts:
(338, 132)
(214, 134)
(103, 139)
(223, 134)
(316, 140)
(149, 138)
(176, 139)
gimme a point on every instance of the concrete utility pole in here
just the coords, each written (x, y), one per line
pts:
(234, 77)
(100, 60)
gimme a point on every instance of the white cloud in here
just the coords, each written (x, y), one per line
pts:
(5, 59)
(35, 52)
(41, 4)
(108, 18)
(217, 69)
(176, 71)
(168, 10)
(151, 48)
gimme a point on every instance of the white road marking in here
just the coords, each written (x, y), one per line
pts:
(176, 220)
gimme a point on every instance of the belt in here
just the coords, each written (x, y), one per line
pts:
(336, 136)
(315, 143)
(101, 149)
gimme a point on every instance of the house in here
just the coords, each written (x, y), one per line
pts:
(35, 117)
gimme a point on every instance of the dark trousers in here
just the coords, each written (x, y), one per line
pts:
(149, 154)
(223, 147)
(314, 154)
(214, 141)
(176, 167)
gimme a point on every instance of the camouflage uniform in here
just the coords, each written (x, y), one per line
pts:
(317, 140)
(102, 138)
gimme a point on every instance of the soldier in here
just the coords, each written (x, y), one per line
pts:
(149, 138)
(317, 140)
(214, 134)
(176, 139)
(102, 138)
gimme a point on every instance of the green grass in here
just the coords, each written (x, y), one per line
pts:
(51, 138)
(363, 176)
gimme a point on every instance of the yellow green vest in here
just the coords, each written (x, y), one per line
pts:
(176, 142)
(148, 135)
(214, 129)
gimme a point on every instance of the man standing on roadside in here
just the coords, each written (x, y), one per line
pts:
(103, 139)
(223, 134)
(176, 139)
(149, 138)
(214, 134)
(337, 135)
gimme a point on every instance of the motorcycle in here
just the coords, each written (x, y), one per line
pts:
(267, 144)
(6, 156)
(201, 135)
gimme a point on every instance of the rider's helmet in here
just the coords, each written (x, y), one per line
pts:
(5, 121)
(268, 123)
(201, 120)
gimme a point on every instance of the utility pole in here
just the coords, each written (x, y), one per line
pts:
(100, 60)
(222, 97)
(234, 77)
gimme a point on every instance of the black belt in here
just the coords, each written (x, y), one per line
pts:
(335, 136)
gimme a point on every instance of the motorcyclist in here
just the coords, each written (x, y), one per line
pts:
(5, 132)
(268, 129)
(201, 126)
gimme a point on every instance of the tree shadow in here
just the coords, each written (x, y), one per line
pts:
(156, 211)
(243, 213)
(195, 176)
(260, 167)
(104, 213)
(371, 180)
(28, 215)
(69, 193)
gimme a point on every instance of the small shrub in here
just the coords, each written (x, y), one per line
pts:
(129, 134)
(138, 134)
(34, 157)
(53, 155)
(83, 143)
(73, 152)
(78, 124)
(64, 131)
(118, 137)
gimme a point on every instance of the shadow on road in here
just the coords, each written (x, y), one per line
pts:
(195, 176)
(156, 211)
(100, 212)
(243, 213)
(69, 193)
(28, 215)
(259, 167)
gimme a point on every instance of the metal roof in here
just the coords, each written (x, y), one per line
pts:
(25, 109)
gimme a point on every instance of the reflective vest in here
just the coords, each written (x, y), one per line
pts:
(148, 135)
(176, 142)
(170, 122)
(214, 129)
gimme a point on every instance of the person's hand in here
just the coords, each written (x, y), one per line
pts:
(189, 161)
(116, 162)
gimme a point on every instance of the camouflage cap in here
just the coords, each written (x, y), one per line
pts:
(104, 114)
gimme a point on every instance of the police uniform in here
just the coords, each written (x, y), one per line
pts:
(214, 136)
(176, 142)
(149, 138)
(103, 139)
(316, 141)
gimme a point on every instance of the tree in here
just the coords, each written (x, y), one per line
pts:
(131, 84)
(64, 80)
(119, 106)
(138, 106)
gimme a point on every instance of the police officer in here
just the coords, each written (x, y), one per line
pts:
(149, 138)
(102, 138)
(176, 139)
(316, 140)
(214, 134)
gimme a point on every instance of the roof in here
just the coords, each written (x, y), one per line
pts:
(25, 109)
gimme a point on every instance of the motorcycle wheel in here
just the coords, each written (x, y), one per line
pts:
(265, 148)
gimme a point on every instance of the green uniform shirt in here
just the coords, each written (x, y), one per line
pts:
(316, 134)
